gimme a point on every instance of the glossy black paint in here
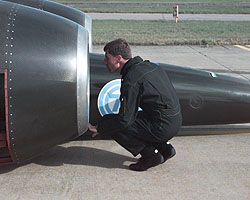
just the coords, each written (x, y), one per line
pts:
(40, 52)
(61, 10)
(206, 98)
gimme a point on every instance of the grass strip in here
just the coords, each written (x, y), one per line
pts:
(161, 32)
(215, 2)
(161, 6)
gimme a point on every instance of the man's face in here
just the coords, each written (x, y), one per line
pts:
(111, 62)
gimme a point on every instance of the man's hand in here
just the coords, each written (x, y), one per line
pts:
(93, 130)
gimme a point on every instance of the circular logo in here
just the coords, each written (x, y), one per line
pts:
(108, 101)
(196, 102)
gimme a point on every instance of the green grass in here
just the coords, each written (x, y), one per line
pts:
(236, 2)
(162, 6)
(170, 33)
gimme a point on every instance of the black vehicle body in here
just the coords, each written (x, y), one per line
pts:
(44, 70)
(206, 98)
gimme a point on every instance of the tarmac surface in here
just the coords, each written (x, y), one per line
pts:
(162, 16)
(228, 60)
(205, 167)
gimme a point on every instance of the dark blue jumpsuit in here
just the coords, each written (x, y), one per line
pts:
(144, 85)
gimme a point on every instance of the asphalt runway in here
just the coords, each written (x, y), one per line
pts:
(228, 60)
(167, 16)
(205, 167)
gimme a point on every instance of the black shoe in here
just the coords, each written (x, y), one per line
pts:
(144, 163)
(168, 153)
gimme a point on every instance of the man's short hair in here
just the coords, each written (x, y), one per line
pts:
(119, 47)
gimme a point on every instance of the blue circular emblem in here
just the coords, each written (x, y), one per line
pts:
(108, 101)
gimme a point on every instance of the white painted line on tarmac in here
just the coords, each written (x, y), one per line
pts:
(243, 47)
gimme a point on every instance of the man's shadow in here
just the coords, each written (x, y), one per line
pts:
(76, 155)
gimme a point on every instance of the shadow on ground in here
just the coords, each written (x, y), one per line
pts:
(76, 155)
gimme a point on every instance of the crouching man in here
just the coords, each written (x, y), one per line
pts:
(144, 85)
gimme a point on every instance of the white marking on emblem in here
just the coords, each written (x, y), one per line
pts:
(108, 101)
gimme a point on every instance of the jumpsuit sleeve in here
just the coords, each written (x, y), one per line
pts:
(129, 104)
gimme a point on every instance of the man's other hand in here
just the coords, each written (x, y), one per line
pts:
(93, 129)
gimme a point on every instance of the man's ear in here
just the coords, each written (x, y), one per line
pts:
(119, 57)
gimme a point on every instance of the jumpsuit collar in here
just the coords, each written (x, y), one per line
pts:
(130, 63)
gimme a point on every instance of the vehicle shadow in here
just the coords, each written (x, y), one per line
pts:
(82, 156)
(76, 155)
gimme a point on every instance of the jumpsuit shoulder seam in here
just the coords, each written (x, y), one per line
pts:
(143, 75)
